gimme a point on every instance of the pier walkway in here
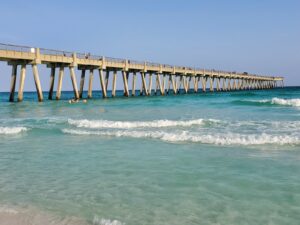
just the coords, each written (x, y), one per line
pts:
(168, 79)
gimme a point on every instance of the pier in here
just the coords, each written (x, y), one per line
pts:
(167, 79)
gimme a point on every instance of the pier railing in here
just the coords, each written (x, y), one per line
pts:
(16, 48)
(29, 52)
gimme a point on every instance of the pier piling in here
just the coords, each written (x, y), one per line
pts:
(22, 81)
(52, 79)
(13, 82)
(180, 78)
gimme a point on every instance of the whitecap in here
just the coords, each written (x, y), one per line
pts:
(137, 124)
(290, 102)
(185, 136)
(12, 130)
(295, 102)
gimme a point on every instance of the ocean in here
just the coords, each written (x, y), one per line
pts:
(213, 158)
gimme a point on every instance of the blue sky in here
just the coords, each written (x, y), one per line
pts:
(254, 36)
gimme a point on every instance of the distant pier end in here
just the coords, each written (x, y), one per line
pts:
(168, 79)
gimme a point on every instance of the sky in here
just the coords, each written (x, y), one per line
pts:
(258, 36)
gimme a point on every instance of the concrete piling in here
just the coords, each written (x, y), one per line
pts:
(211, 86)
(114, 84)
(203, 84)
(59, 85)
(150, 84)
(22, 80)
(133, 83)
(13, 82)
(126, 91)
(103, 86)
(37, 82)
(52, 80)
(90, 88)
(82, 78)
(74, 83)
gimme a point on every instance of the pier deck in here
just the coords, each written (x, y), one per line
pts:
(167, 76)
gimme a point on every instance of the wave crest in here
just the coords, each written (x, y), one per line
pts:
(12, 130)
(137, 124)
(290, 102)
(216, 139)
(295, 102)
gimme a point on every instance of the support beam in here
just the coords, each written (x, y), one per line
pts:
(239, 84)
(189, 83)
(102, 83)
(59, 85)
(211, 86)
(144, 85)
(169, 84)
(74, 82)
(195, 84)
(218, 84)
(114, 84)
(22, 80)
(161, 88)
(52, 79)
(180, 83)
(234, 85)
(177, 83)
(133, 83)
(90, 88)
(173, 84)
(37, 82)
(107, 79)
(203, 84)
(185, 84)
(156, 86)
(13, 82)
(126, 91)
(164, 83)
(150, 84)
(229, 84)
(82, 78)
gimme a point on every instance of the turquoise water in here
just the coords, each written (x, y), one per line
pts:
(214, 158)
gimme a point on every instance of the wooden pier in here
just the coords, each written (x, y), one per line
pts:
(168, 79)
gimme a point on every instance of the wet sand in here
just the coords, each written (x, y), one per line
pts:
(30, 216)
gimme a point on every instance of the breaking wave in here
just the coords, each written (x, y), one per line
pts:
(138, 124)
(184, 136)
(290, 102)
(294, 102)
(12, 130)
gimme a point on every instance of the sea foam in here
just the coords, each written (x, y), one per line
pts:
(290, 102)
(295, 102)
(185, 136)
(137, 124)
(12, 130)
(98, 221)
